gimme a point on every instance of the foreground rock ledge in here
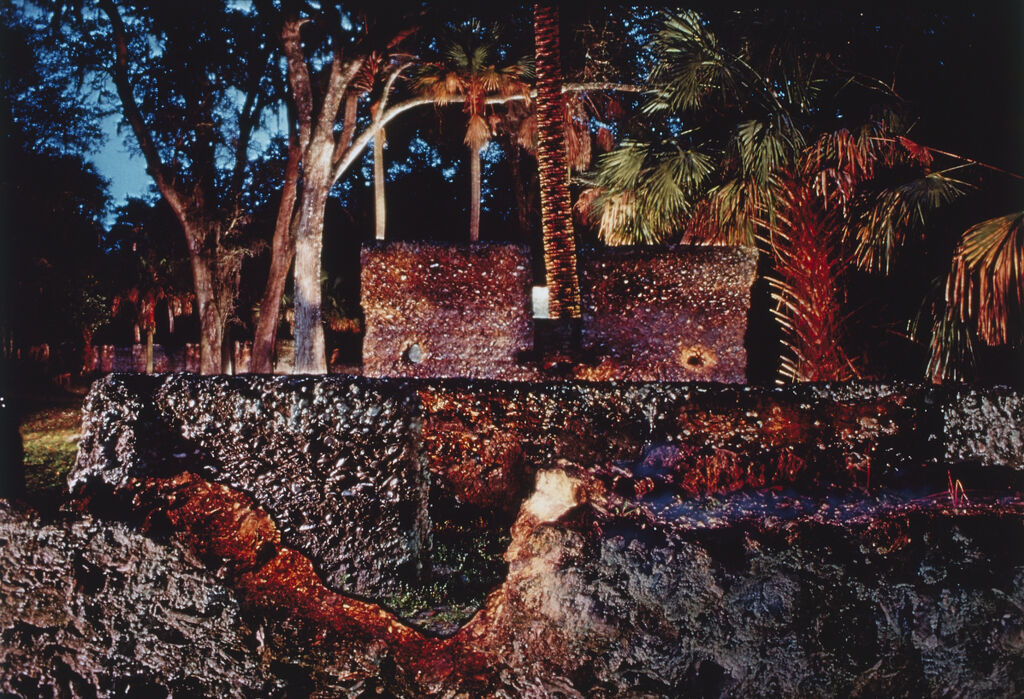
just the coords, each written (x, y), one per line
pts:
(666, 569)
(606, 596)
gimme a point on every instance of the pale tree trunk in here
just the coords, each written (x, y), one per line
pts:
(310, 350)
(150, 331)
(281, 255)
(474, 194)
(211, 322)
(379, 207)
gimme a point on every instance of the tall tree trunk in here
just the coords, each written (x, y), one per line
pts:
(211, 321)
(474, 194)
(87, 358)
(310, 351)
(515, 161)
(555, 205)
(281, 255)
(150, 331)
(379, 208)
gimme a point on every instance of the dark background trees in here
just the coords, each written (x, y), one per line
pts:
(955, 70)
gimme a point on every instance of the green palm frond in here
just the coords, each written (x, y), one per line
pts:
(766, 146)
(882, 228)
(950, 350)
(986, 283)
(692, 66)
(662, 185)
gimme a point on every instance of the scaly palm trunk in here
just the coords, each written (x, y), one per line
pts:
(474, 194)
(556, 211)
(808, 266)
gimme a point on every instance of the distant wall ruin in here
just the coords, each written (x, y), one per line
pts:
(435, 311)
(667, 313)
(675, 313)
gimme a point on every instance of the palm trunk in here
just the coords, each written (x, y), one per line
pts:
(556, 211)
(378, 184)
(474, 194)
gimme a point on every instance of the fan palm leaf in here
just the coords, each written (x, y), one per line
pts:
(986, 283)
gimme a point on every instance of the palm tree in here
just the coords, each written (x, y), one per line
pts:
(984, 289)
(556, 209)
(469, 72)
(741, 151)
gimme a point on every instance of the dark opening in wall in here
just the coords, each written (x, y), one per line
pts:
(412, 354)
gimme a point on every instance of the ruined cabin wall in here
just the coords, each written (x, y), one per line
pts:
(434, 310)
(676, 313)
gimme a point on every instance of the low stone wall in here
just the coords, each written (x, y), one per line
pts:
(335, 462)
(441, 310)
(667, 313)
(678, 539)
(309, 447)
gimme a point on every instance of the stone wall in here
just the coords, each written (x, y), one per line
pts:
(319, 452)
(667, 313)
(90, 608)
(441, 310)
(677, 540)
(334, 462)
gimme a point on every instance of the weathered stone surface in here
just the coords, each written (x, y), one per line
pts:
(680, 540)
(483, 441)
(91, 608)
(666, 313)
(628, 595)
(985, 425)
(334, 462)
(442, 310)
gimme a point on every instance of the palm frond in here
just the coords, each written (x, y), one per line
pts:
(692, 66)
(766, 146)
(986, 282)
(950, 350)
(882, 228)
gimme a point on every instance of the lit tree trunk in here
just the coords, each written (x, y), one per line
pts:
(211, 320)
(379, 208)
(310, 351)
(556, 211)
(281, 255)
(474, 194)
(87, 358)
(150, 331)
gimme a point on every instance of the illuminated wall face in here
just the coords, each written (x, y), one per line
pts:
(669, 313)
(446, 311)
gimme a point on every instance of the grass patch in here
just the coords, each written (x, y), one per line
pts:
(50, 436)
(467, 563)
